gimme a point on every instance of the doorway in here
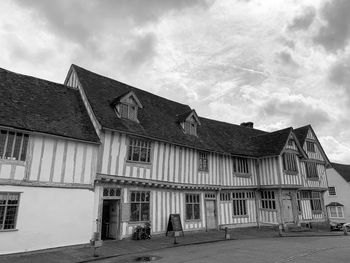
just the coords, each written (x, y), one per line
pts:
(287, 208)
(110, 219)
(210, 214)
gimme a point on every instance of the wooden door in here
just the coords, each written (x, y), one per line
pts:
(114, 210)
(210, 214)
(287, 209)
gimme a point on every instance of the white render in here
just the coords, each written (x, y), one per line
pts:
(46, 218)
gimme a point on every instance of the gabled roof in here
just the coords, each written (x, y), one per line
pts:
(37, 105)
(159, 119)
(186, 115)
(301, 133)
(126, 95)
(343, 170)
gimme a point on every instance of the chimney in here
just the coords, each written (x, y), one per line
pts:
(248, 124)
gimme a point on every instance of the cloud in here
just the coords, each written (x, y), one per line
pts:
(339, 74)
(285, 58)
(303, 20)
(142, 50)
(337, 151)
(83, 20)
(334, 34)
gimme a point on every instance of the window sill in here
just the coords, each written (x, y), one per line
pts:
(243, 175)
(16, 162)
(8, 230)
(313, 179)
(193, 220)
(143, 164)
(291, 172)
(268, 209)
(242, 216)
(138, 222)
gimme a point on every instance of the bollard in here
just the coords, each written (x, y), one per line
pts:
(280, 228)
(227, 235)
(345, 230)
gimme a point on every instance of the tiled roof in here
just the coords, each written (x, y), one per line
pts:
(159, 119)
(38, 105)
(343, 170)
(301, 133)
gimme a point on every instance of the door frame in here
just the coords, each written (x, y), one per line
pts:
(289, 194)
(211, 197)
(117, 203)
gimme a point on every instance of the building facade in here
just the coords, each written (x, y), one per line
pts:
(157, 157)
(97, 155)
(337, 198)
(48, 156)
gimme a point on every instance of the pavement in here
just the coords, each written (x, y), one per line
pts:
(127, 247)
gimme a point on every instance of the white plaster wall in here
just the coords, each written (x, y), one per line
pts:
(342, 188)
(49, 217)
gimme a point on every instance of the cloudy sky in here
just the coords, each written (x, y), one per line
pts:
(276, 63)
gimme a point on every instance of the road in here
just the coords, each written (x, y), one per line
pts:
(271, 250)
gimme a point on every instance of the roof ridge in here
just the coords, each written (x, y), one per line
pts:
(132, 87)
(37, 78)
(269, 133)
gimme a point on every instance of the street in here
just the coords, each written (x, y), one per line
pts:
(272, 250)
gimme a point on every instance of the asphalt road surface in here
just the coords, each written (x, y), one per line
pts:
(271, 250)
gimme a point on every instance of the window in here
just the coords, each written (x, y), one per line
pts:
(299, 203)
(13, 145)
(331, 190)
(139, 206)
(190, 128)
(111, 192)
(8, 210)
(268, 200)
(239, 204)
(139, 150)
(310, 146)
(336, 211)
(240, 165)
(225, 196)
(311, 170)
(290, 142)
(289, 162)
(316, 206)
(127, 111)
(203, 161)
(192, 207)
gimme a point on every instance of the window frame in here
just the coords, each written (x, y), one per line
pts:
(203, 161)
(140, 202)
(140, 144)
(240, 165)
(268, 200)
(311, 146)
(124, 110)
(316, 202)
(290, 164)
(332, 191)
(339, 212)
(18, 145)
(192, 200)
(6, 205)
(190, 128)
(239, 204)
(311, 167)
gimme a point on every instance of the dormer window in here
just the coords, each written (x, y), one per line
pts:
(189, 122)
(126, 106)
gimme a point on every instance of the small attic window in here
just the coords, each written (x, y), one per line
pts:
(127, 106)
(190, 128)
(189, 122)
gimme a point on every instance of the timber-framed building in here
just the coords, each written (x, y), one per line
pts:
(97, 155)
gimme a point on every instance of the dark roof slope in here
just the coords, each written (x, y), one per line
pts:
(159, 119)
(270, 144)
(343, 170)
(34, 104)
(301, 133)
